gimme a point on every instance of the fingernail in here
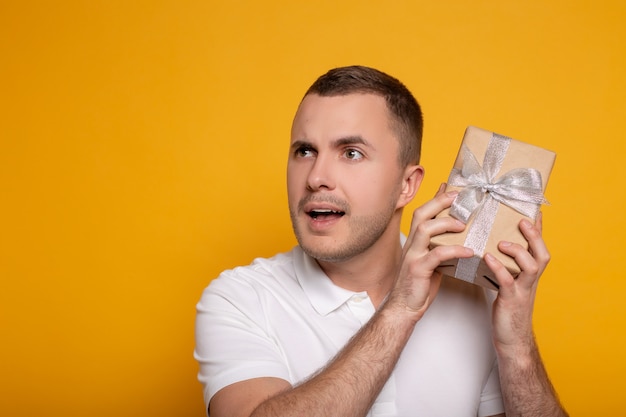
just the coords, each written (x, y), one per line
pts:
(505, 243)
(525, 223)
(489, 257)
(452, 193)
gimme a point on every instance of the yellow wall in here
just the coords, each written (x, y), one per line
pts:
(143, 151)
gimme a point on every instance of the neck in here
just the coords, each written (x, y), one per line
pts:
(373, 270)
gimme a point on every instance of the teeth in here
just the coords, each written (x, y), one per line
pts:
(321, 212)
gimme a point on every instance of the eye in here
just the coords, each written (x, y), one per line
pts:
(353, 154)
(304, 152)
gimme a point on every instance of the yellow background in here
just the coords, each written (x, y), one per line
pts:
(143, 152)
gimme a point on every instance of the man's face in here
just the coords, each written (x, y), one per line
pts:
(343, 174)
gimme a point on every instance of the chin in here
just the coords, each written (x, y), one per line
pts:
(326, 255)
(326, 249)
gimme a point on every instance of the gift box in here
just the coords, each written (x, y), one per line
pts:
(500, 181)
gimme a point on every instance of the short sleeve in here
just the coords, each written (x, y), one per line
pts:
(232, 344)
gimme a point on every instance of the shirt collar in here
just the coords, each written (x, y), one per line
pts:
(323, 294)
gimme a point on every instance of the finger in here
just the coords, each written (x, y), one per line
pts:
(424, 231)
(536, 244)
(505, 280)
(441, 189)
(425, 264)
(530, 268)
(431, 208)
(428, 211)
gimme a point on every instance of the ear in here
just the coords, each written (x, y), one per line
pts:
(411, 181)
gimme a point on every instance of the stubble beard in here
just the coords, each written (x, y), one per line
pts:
(364, 232)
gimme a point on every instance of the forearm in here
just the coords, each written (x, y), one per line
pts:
(350, 383)
(526, 388)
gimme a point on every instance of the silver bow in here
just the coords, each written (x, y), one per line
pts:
(520, 189)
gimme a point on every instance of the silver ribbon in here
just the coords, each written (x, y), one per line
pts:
(520, 189)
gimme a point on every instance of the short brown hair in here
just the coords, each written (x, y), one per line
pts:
(404, 108)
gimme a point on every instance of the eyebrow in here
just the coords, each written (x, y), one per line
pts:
(352, 140)
(300, 144)
(344, 141)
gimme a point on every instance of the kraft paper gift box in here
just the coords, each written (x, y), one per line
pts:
(500, 181)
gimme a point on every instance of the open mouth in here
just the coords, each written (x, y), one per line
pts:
(325, 214)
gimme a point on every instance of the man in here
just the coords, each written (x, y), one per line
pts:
(355, 320)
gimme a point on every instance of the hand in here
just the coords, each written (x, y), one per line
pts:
(513, 307)
(418, 282)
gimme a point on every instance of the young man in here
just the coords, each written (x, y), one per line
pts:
(355, 320)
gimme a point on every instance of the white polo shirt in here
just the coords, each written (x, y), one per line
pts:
(283, 317)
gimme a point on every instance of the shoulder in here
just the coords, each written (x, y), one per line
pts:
(246, 284)
(261, 271)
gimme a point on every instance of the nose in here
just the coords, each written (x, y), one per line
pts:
(321, 175)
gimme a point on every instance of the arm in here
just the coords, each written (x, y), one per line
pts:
(350, 383)
(526, 388)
